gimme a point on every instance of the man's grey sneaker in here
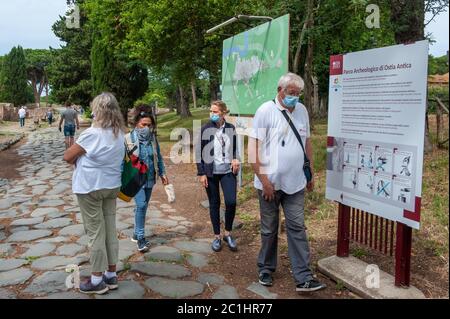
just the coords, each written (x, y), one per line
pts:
(216, 244)
(89, 288)
(265, 279)
(143, 245)
(111, 283)
(311, 285)
(230, 242)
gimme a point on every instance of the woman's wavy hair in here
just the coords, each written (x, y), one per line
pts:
(107, 113)
(142, 111)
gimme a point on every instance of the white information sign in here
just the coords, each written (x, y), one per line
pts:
(376, 123)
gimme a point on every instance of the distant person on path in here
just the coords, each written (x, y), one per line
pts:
(22, 115)
(142, 139)
(70, 118)
(50, 116)
(219, 166)
(97, 155)
(280, 180)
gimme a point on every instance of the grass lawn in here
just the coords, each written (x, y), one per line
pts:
(169, 121)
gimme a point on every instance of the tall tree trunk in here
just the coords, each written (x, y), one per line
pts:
(213, 87)
(194, 95)
(124, 112)
(184, 105)
(46, 93)
(42, 83)
(428, 147)
(323, 106)
(173, 100)
(297, 57)
(178, 101)
(309, 19)
(309, 86)
(38, 87)
(37, 96)
(315, 101)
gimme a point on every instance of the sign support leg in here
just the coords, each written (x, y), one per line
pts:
(343, 240)
(403, 255)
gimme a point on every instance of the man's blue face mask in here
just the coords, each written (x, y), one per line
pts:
(290, 101)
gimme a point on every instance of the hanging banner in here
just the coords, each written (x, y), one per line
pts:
(376, 123)
(252, 63)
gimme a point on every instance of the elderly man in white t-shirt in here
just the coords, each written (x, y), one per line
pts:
(280, 180)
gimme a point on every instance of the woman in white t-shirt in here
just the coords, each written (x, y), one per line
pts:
(97, 156)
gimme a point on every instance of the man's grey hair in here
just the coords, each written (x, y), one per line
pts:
(291, 79)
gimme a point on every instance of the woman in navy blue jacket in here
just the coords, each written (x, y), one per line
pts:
(218, 164)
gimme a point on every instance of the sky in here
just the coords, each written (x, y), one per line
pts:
(28, 23)
(439, 28)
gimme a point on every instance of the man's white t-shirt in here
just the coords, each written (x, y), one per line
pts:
(282, 164)
(100, 167)
(22, 113)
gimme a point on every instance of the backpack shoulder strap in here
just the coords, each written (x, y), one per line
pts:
(129, 139)
(297, 135)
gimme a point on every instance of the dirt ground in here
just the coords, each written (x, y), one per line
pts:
(429, 273)
(10, 161)
(4, 138)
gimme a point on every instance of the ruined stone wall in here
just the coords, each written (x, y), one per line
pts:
(10, 113)
(6, 111)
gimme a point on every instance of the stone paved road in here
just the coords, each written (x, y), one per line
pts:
(41, 232)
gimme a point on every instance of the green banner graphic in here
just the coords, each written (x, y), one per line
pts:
(252, 63)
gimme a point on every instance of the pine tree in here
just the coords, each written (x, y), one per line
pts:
(69, 72)
(125, 78)
(14, 77)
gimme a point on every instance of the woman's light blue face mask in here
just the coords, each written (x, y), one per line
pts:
(214, 118)
(216, 115)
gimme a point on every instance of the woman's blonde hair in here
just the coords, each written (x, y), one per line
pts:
(107, 113)
(222, 106)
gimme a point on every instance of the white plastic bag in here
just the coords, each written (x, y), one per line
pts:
(170, 191)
